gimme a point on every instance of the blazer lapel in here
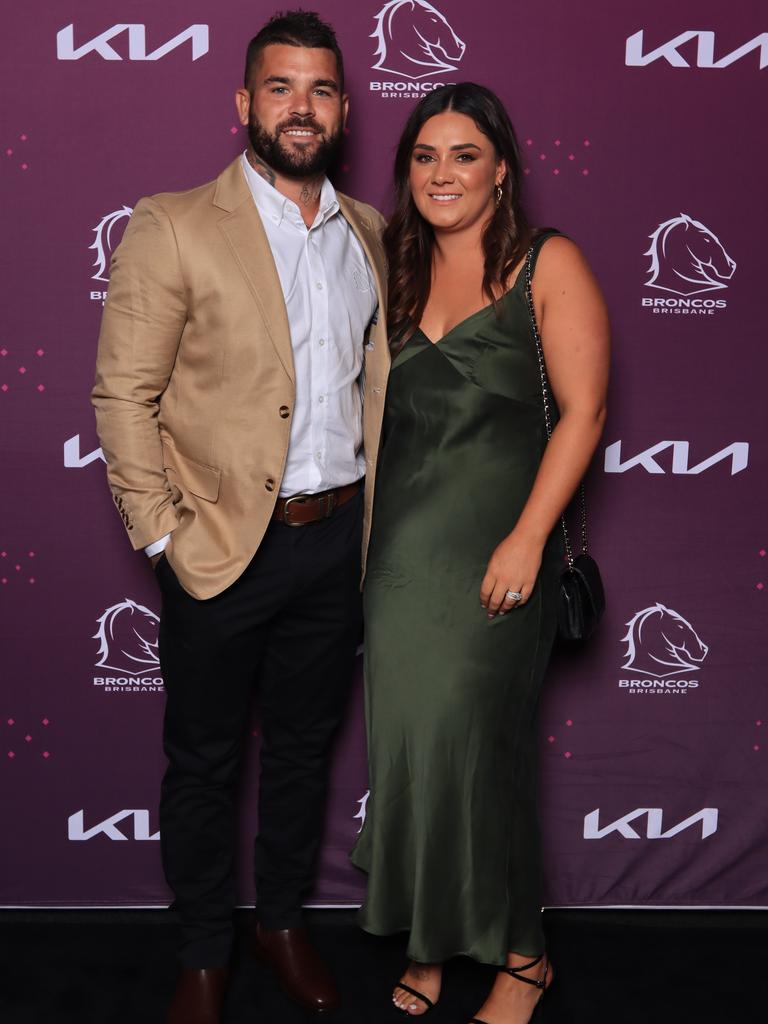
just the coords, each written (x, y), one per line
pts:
(244, 231)
(377, 358)
(366, 235)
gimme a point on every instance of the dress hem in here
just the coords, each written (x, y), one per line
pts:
(382, 933)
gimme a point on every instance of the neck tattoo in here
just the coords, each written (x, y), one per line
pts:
(262, 169)
(310, 192)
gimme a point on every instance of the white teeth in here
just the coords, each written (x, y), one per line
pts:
(445, 198)
(297, 131)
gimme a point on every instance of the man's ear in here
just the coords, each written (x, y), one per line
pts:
(243, 105)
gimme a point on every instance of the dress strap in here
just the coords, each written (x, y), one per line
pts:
(538, 242)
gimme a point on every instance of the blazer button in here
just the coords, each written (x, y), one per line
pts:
(285, 411)
(269, 484)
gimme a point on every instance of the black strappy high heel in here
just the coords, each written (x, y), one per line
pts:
(514, 972)
(419, 995)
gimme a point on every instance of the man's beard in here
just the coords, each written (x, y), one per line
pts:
(294, 163)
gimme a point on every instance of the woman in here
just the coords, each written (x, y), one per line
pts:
(466, 550)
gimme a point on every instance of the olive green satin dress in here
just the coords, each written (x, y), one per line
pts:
(450, 842)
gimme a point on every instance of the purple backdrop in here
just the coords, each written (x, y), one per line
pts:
(638, 124)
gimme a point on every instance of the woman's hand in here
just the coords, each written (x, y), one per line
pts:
(513, 566)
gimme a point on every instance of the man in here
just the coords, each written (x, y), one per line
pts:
(243, 318)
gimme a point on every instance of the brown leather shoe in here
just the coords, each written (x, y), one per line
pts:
(301, 973)
(199, 996)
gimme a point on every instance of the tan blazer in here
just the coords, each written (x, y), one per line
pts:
(195, 381)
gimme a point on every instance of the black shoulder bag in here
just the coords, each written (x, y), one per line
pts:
(581, 600)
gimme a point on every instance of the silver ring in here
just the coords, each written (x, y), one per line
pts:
(514, 595)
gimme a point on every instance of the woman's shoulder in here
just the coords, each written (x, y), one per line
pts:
(556, 252)
(562, 270)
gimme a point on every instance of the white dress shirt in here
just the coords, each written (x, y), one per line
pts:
(330, 298)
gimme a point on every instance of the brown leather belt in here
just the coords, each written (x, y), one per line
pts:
(300, 509)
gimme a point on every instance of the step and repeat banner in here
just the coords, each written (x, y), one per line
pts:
(642, 131)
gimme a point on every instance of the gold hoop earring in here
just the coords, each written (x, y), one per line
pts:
(499, 194)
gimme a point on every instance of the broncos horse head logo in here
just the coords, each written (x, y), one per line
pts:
(687, 258)
(415, 40)
(127, 636)
(662, 643)
(103, 244)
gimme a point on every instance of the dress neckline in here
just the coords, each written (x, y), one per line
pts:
(467, 319)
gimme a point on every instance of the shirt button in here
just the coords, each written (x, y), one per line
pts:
(321, 399)
(269, 484)
(319, 286)
(322, 341)
(284, 411)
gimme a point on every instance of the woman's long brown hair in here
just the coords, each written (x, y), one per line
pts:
(409, 239)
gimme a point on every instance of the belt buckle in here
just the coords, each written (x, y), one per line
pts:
(288, 503)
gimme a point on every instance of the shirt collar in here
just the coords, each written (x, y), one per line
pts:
(273, 204)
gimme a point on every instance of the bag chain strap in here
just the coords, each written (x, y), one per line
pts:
(545, 393)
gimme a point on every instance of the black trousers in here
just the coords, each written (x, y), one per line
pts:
(288, 627)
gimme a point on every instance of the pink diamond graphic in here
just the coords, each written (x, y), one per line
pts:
(585, 172)
(46, 721)
(40, 352)
(529, 142)
(567, 754)
(41, 387)
(3, 554)
(233, 130)
(17, 568)
(758, 722)
(569, 721)
(587, 142)
(31, 554)
(556, 171)
(25, 167)
(3, 351)
(22, 369)
(557, 142)
(31, 579)
(4, 579)
(571, 156)
(46, 755)
(11, 754)
(527, 170)
(28, 738)
(550, 739)
(9, 152)
(761, 586)
(4, 387)
(761, 552)
(542, 156)
(24, 137)
(11, 721)
(756, 746)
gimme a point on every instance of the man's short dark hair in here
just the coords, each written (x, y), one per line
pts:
(294, 28)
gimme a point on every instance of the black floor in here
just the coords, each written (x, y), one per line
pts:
(640, 967)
